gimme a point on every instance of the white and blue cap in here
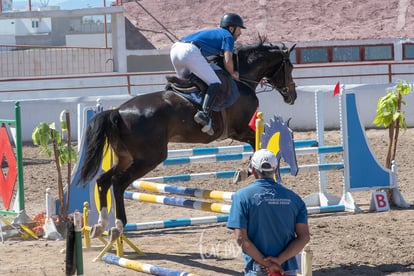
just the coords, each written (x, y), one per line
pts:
(264, 160)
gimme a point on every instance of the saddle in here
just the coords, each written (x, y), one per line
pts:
(193, 84)
(194, 89)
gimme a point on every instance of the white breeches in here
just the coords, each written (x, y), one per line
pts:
(187, 58)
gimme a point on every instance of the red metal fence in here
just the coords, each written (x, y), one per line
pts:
(42, 70)
(30, 60)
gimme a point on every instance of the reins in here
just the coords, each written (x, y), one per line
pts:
(266, 81)
(267, 86)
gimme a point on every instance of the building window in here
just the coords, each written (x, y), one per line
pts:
(345, 54)
(310, 55)
(292, 56)
(380, 52)
(408, 51)
(35, 24)
(351, 53)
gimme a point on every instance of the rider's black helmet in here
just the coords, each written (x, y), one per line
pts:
(231, 20)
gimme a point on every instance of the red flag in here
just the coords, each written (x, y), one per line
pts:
(252, 122)
(337, 89)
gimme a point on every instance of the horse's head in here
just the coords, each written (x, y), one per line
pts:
(270, 63)
(278, 138)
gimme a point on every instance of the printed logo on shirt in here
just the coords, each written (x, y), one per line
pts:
(269, 197)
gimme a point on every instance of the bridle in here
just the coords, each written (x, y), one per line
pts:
(283, 65)
(267, 80)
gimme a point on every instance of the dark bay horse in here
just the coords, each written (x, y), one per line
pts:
(140, 129)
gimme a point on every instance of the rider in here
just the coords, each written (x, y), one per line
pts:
(189, 56)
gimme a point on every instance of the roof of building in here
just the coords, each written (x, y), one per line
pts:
(162, 22)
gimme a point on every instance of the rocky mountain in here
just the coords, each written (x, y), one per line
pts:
(162, 22)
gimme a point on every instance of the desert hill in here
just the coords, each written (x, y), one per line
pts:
(161, 21)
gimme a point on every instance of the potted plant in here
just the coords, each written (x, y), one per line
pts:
(391, 116)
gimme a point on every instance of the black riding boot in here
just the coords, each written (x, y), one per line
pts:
(203, 117)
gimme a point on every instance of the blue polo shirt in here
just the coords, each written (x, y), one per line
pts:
(212, 42)
(269, 212)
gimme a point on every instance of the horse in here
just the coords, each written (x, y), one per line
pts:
(139, 130)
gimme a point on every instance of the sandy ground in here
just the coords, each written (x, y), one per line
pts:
(367, 243)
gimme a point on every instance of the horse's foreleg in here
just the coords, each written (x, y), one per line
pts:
(104, 183)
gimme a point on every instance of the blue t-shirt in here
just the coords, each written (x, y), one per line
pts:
(269, 212)
(212, 42)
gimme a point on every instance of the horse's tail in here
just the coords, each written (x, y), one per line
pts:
(101, 128)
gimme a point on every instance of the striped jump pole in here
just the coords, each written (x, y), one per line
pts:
(210, 150)
(320, 149)
(181, 190)
(220, 157)
(206, 158)
(230, 174)
(319, 167)
(180, 202)
(184, 222)
(142, 267)
(325, 209)
(190, 176)
(304, 148)
(171, 223)
(230, 149)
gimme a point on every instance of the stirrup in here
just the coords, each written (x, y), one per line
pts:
(205, 121)
(201, 118)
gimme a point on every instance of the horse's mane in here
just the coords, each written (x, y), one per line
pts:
(251, 51)
(261, 44)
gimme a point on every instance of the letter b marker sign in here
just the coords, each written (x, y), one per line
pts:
(380, 202)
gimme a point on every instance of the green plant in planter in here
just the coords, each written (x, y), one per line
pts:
(391, 116)
(51, 143)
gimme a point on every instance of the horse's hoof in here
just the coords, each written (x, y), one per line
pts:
(239, 176)
(208, 129)
(96, 231)
(114, 234)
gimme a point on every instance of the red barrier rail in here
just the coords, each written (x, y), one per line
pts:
(135, 83)
(31, 60)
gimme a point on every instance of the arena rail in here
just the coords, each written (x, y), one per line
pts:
(134, 83)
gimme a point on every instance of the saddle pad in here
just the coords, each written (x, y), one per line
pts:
(223, 99)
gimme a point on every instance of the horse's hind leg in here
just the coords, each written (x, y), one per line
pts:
(120, 182)
(104, 183)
